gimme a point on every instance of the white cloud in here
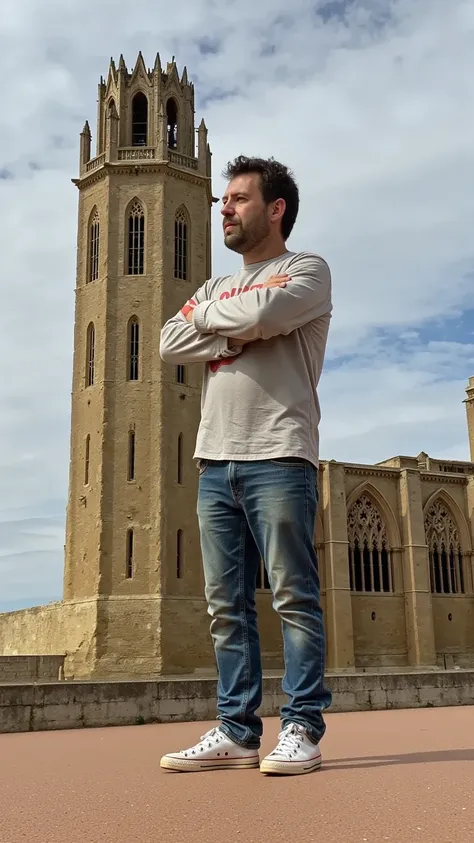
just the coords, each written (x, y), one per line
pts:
(369, 102)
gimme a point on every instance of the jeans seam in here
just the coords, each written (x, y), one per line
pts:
(308, 581)
(243, 615)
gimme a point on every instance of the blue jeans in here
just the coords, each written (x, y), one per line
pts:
(250, 511)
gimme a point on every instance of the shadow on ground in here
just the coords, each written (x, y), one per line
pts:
(391, 760)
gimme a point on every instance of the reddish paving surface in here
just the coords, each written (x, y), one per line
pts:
(399, 776)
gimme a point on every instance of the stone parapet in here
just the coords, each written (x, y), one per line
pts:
(73, 705)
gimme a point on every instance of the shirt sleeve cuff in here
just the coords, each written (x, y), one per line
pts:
(199, 318)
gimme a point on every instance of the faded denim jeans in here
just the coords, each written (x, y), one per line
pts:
(250, 511)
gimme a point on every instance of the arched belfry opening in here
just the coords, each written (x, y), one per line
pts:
(110, 109)
(139, 120)
(172, 123)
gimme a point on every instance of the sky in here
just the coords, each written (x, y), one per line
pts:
(368, 101)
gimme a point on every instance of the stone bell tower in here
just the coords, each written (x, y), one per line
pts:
(132, 576)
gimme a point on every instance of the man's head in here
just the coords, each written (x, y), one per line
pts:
(260, 204)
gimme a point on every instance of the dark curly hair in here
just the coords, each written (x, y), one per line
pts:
(277, 182)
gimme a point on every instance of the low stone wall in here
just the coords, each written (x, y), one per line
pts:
(72, 705)
(31, 668)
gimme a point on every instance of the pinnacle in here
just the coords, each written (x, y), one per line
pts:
(140, 59)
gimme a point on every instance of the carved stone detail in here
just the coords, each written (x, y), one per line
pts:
(365, 524)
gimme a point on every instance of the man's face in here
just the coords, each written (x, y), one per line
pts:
(246, 216)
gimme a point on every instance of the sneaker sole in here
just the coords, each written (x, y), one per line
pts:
(290, 768)
(187, 765)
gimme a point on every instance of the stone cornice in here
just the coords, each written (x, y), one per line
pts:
(369, 471)
(133, 168)
(442, 478)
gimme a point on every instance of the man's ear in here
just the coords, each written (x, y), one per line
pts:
(278, 210)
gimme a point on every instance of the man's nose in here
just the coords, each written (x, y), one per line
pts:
(227, 210)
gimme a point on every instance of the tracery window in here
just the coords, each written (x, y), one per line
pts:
(370, 564)
(444, 549)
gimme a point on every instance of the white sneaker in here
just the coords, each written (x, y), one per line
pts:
(294, 754)
(215, 751)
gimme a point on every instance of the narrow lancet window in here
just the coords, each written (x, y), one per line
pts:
(90, 355)
(136, 239)
(181, 245)
(131, 455)
(133, 349)
(94, 240)
(87, 460)
(130, 553)
(179, 554)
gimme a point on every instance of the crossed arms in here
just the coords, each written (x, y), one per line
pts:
(206, 329)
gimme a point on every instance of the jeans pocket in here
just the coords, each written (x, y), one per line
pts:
(289, 462)
(202, 465)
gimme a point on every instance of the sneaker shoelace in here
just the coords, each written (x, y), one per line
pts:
(207, 741)
(289, 740)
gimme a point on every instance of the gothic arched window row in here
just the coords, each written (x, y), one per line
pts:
(370, 564)
(444, 551)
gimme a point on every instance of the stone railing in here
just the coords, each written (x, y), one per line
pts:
(95, 163)
(137, 153)
(182, 160)
(143, 153)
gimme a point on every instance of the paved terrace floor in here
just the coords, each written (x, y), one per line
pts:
(398, 776)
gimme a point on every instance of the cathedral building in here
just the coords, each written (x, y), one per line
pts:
(394, 540)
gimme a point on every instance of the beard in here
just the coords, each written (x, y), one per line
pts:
(242, 239)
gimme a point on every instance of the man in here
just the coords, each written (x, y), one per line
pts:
(262, 333)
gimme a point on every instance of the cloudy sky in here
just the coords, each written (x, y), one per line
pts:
(369, 101)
